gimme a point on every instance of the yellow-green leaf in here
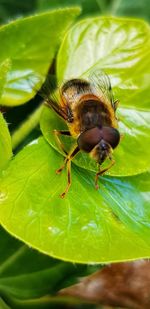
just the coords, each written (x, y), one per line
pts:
(111, 224)
(31, 44)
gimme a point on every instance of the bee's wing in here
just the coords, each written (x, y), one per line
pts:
(100, 84)
(43, 87)
(49, 89)
(50, 93)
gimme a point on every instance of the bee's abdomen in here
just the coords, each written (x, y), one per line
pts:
(94, 114)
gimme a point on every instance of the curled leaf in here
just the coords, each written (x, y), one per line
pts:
(122, 284)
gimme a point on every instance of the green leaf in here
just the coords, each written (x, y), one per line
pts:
(119, 46)
(26, 274)
(31, 44)
(111, 224)
(5, 143)
(131, 155)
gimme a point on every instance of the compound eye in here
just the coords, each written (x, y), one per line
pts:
(111, 136)
(89, 139)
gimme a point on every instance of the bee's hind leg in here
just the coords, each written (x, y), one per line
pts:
(101, 172)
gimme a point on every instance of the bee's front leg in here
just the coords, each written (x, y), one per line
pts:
(57, 133)
(101, 172)
(62, 167)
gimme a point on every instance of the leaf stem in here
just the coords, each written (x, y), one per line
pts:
(26, 127)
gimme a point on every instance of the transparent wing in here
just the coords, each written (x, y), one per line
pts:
(45, 88)
(49, 89)
(50, 93)
(100, 83)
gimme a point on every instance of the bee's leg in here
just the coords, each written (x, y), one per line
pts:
(60, 144)
(101, 172)
(67, 163)
(68, 155)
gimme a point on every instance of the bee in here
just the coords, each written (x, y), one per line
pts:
(89, 110)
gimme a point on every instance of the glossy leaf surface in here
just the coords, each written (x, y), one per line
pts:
(111, 224)
(31, 44)
(119, 46)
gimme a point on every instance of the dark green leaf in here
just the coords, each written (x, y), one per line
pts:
(26, 274)
(88, 7)
(111, 224)
(132, 8)
(15, 8)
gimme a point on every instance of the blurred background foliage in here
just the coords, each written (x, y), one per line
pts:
(12, 9)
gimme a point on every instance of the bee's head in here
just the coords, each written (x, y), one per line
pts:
(101, 151)
(99, 142)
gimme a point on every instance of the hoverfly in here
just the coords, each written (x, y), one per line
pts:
(89, 110)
